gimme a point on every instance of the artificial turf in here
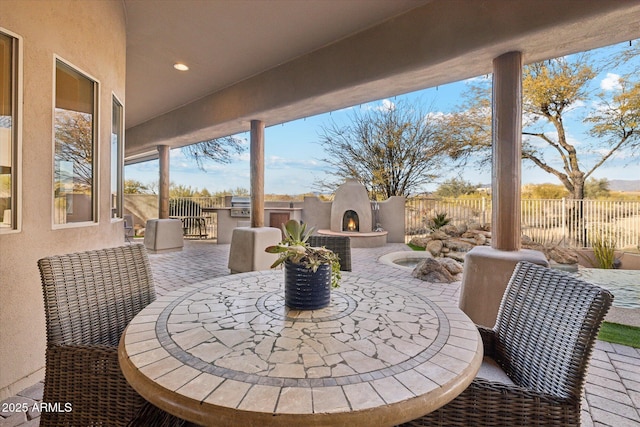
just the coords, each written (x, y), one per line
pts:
(620, 334)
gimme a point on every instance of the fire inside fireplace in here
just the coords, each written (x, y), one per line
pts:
(350, 221)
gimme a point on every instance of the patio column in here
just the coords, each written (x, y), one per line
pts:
(163, 205)
(487, 269)
(507, 151)
(248, 243)
(257, 173)
(163, 234)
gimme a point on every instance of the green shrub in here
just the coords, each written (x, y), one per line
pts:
(440, 220)
(604, 251)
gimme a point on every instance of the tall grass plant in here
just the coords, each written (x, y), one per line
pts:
(604, 247)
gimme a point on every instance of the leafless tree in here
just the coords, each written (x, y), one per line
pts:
(391, 150)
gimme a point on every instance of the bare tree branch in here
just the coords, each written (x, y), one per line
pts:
(391, 150)
(220, 150)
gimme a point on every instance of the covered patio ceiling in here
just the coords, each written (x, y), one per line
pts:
(281, 60)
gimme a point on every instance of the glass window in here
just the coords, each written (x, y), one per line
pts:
(74, 165)
(117, 146)
(8, 140)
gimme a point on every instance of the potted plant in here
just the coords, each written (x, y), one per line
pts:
(309, 272)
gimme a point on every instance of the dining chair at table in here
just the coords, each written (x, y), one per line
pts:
(536, 355)
(89, 299)
(340, 245)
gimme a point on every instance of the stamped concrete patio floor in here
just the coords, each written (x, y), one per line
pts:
(613, 381)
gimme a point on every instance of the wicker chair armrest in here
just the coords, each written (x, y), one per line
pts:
(489, 403)
(87, 380)
(488, 340)
(516, 391)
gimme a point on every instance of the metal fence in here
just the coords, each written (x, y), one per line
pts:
(196, 223)
(573, 223)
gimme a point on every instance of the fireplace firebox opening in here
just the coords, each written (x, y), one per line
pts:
(350, 221)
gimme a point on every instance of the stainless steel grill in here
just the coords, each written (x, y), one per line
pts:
(240, 207)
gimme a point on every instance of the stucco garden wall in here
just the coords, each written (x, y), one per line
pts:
(90, 35)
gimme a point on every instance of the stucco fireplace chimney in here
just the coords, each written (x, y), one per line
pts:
(351, 208)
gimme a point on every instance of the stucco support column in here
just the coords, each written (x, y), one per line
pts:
(163, 205)
(487, 269)
(507, 152)
(163, 234)
(248, 243)
(257, 173)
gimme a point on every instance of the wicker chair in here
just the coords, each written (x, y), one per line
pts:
(341, 245)
(543, 338)
(89, 299)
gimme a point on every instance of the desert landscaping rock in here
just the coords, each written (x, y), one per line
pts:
(454, 242)
(453, 266)
(458, 245)
(434, 247)
(430, 270)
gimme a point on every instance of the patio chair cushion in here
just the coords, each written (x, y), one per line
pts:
(543, 338)
(491, 371)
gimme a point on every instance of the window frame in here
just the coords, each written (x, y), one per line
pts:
(16, 130)
(120, 161)
(95, 166)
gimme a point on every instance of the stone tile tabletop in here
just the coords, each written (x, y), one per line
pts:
(227, 350)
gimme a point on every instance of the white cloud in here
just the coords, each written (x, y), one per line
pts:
(483, 78)
(436, 115)
(611, 82)
(241, 157)
(277, 162)
(387, 105)
(384, 105)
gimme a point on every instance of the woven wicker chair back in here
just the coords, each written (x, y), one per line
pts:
(340, 245)
(546, 328)
(90, 297)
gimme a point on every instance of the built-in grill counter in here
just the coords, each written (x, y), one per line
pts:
(240, 207)
(237, 213)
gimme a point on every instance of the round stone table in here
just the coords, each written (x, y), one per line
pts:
(226, 352)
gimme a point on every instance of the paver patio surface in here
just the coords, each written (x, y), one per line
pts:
(613, 381)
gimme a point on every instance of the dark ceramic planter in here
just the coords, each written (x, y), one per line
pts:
(305, 289)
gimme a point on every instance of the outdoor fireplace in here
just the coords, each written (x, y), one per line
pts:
(351, 208)
(350, 221)
(351, 215)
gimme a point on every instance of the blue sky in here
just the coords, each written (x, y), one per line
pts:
(293, 156)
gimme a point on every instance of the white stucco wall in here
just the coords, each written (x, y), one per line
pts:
(91, 36)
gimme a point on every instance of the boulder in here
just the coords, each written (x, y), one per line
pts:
(439, 235)
(462, 228)
(474, 226)
(468, 240)
(430, 270)
(558, 254)
(420, 241)
(471, 234)
(452, 266)
(480, 239)
(459, 245)
(456, 256)
(526, 240)
(450, 230)
(434, 247)
(561, 255)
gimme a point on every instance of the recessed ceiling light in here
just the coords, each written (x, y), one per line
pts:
(180, 66)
